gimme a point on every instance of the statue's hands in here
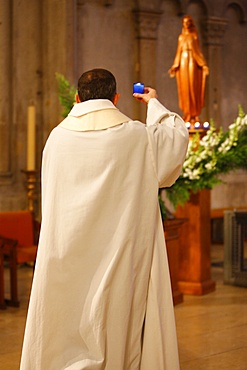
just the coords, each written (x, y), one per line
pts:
(172, 71)
(205, 70)
(149, 93)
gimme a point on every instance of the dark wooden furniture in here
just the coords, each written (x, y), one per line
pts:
(17, 246)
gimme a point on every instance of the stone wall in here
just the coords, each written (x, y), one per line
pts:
(136, 40)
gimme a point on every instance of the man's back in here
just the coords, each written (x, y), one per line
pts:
(101, 295)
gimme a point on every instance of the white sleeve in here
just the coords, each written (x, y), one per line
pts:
(168, 138)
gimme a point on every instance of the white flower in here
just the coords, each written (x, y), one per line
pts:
(208, 166)
(202, 155)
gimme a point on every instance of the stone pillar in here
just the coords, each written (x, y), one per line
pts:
(146, 33)
(5, 85)
(59, 55)
(213, 37)
(25, 79)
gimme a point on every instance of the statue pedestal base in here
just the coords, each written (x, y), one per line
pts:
(195, 244)
(172, 236)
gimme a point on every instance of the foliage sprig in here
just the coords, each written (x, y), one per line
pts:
(66, 94)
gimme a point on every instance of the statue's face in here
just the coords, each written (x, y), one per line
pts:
(187, 23)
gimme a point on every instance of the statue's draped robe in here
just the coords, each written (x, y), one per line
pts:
(101, 295)
(190, 75)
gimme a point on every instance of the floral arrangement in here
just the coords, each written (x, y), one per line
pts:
(216, 153)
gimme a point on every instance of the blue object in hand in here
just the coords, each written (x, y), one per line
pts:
(138, 88)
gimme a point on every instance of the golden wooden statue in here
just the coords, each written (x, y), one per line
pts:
(191, 70)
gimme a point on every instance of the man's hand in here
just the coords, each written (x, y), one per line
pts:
(149, 93)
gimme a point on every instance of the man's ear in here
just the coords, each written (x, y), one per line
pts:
(115, 99)
(77, 99)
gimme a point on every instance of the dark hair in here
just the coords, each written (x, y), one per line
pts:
(97, 84)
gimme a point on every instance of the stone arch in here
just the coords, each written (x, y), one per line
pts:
(185, 4)
(239, 6)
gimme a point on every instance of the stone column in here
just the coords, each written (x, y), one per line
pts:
(59, 55)
(5, 85)
(25, 79)
(213, 37)
(146, 34)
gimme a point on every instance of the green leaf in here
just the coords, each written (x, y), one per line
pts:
(66, 94)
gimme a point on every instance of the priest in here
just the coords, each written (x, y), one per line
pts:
(101, 295)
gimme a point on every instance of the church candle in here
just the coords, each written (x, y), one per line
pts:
(31, 138)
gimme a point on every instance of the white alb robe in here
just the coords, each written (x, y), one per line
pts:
(101, 295)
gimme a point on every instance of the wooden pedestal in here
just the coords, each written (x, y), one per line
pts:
(195, 244)
(2, 301)
(172, 237)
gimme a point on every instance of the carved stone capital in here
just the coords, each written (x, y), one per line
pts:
(146, 23)
(108, 2)
(214, 30)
